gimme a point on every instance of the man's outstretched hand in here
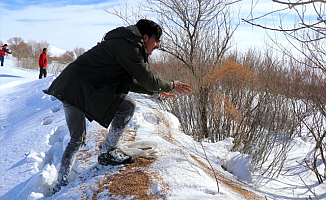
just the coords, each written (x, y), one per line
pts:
(181, 88)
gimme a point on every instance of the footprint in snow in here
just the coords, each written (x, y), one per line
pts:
(47, 121)
(56, 108)
(151, 118)
(52, 98)
(58, 134)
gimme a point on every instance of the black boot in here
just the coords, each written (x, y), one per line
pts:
(58, 185)
(114, 157)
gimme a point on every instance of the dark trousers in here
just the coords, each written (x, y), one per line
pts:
(2, 59)
(118, 125)
(42, 72)
(77, 127)
(76, 123)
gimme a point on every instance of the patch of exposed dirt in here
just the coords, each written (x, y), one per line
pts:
(133, 180)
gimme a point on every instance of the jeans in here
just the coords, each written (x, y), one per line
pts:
(77, 127)
(2, 59)
(118, 124)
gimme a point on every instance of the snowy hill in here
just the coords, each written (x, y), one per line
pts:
(55, 51)
(34, 134)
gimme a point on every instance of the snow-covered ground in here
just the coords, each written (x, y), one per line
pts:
(33, 135)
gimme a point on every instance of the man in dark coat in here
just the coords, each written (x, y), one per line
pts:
(96, 86)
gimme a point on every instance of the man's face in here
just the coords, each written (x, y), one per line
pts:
(151, 43)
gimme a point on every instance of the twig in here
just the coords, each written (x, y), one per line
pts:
(308, 188)
(218, 187)
(315, 171)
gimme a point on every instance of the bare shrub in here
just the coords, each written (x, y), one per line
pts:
(65, 58)
(310, 108)
(307, 38)
(36, 48)
(245, 101)
(28, 63)
(18, 48)
(56, 67)
(78, 51)
(27, 54)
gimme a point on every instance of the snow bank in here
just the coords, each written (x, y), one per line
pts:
(34, 135)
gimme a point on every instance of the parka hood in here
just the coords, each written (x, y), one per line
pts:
(130, 33)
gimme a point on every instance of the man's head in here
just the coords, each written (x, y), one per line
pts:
(5, 45)
(45, 50)
(151, 34)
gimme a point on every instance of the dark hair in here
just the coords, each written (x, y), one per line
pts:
(44, 49)
(149, 27)
(5, 45)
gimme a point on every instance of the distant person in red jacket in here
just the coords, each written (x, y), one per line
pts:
(43, 63)
(3, 51)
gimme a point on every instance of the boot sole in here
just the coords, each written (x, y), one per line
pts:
(127, 161)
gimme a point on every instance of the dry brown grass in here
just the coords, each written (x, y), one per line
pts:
(131, 180)
(243, 74)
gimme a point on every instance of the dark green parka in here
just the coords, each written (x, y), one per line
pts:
(99, 80)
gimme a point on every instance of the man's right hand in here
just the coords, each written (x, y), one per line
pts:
(181, 88)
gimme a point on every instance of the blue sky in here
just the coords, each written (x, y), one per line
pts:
(82, 23)
(19, 4)
(64, 24)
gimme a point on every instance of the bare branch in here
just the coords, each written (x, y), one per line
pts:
(272, 29)
(298, 3)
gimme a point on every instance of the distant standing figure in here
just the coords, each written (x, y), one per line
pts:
(3, 51)
(43, 63)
